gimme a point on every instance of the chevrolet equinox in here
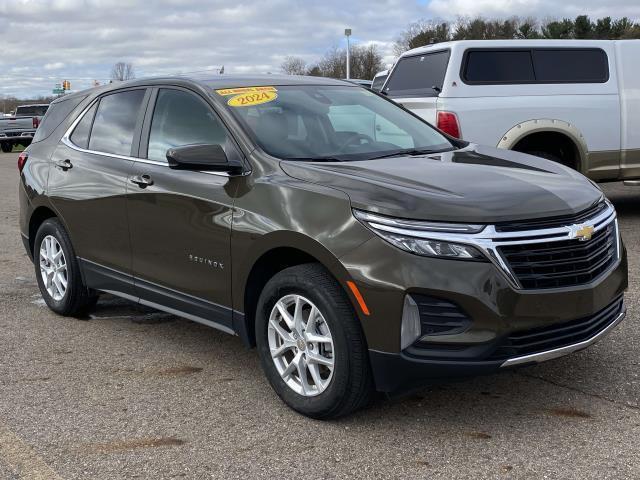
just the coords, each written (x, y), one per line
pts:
(356, 246)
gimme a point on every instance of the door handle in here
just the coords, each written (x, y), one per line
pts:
(143, 181)
(64, 165)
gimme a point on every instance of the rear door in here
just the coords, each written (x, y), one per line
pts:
(416, 81)
(180, 220)
(87, 185)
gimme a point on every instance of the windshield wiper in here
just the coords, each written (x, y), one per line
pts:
(315, 159)
(410, 152)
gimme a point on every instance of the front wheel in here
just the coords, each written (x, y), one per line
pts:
(310, 343)
(58, 272)
(6, 147)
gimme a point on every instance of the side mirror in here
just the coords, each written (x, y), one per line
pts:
(202, 157)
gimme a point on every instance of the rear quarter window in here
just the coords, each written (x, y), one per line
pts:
(418, 74)
(536, 65)
(55, 115)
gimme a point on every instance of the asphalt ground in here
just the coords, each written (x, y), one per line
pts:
(135, 393)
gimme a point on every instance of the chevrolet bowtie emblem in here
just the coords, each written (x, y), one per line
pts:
(581, 232)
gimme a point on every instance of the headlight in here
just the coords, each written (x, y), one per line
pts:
(413, 236)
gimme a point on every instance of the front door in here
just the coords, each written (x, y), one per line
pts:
(180, 221)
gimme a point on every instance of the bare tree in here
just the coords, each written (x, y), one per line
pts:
(122, 71)
(294, 66)
(365, 62)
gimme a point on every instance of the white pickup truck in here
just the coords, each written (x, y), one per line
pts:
(20, 128)
(573, 101)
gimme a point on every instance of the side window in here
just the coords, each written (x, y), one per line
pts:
(498, 66)
(181, 118)
(55, 115)
(417, 75)
(80, 135)
(115, 122)
(571, 66)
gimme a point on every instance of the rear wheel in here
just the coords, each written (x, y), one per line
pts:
(310, 343)
(58, 272)
(6, 147)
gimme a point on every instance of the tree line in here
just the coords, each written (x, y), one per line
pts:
(366, 61)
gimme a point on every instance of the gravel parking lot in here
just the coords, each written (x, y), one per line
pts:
(134, 393)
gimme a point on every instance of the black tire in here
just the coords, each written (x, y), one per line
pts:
(351, 386)
(6, 147)
(78, 300)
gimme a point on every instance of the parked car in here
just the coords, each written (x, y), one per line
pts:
(355, 245)
(19, 129)
(571, 101)
(379, 79)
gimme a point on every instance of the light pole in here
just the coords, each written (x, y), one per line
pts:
(347, 32)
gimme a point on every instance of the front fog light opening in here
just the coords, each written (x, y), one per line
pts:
(410, 329)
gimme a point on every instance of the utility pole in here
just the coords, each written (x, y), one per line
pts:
(347, 33)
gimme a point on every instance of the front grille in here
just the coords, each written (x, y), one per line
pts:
(564, 263)
(440, 317)
(557, 336)
(552, 222)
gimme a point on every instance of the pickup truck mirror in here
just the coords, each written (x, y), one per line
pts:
(203, 157)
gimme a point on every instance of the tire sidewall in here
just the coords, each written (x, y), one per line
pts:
(54, 228)
(286, 284)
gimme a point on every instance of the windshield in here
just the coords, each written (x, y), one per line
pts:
(304, 122)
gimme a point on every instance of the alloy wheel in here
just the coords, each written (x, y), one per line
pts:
(53, 268)
(301, 345)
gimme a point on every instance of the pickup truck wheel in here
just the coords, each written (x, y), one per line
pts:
(58, 272)
(311, 345)
(6, 147)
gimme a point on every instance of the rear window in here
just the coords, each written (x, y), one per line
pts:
(55, 115)
(538, 65)
(417, 75)
(115, 122)
(32, 110)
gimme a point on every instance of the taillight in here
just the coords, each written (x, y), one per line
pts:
(36, 122)
(22, 159)
(448, 123)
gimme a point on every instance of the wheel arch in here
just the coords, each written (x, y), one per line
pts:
(37, 218)
(278, 251)
(523, 130)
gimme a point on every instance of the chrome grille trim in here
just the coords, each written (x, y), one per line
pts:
(489, 239)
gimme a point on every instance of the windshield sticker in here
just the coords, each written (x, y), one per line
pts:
(252, 98)
(236, 91)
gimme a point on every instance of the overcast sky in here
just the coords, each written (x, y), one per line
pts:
(46, 41)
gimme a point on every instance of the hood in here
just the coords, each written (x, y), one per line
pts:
(476, 185)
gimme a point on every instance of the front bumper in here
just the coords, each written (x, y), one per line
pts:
(398, 371)
(498, 312)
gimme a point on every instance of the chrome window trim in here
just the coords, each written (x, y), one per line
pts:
(66, 139)
(488, 240)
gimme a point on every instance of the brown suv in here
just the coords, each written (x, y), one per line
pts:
(356, 246)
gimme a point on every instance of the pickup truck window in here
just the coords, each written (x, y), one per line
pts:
(418, 74)
(316, 123)
(115, 122)
(31, 111)
(536, 65)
